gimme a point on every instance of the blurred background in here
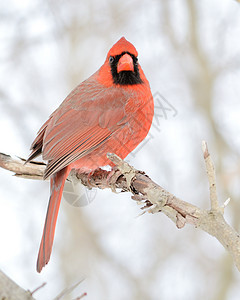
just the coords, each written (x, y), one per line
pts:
(190, 53)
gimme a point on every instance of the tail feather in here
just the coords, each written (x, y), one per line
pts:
(37, 144)
(34, 153)
(57, 185)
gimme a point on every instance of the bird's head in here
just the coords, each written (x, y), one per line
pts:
(121, 66)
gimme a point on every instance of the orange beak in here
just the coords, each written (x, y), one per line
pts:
(125, 63)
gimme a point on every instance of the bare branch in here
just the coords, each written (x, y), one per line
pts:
(211, 177)
(150, 195)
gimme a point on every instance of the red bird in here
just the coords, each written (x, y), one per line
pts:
(111, 111)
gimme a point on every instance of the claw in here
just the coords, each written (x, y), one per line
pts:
(112, 178)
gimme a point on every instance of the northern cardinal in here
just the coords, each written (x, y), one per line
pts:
(111, 111)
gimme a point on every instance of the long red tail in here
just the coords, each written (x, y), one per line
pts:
(57, 185)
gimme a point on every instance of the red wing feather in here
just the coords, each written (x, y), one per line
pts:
(76, 130)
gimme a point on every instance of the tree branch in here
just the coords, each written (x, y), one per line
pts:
(150, 195)
(211, 177)
(10, 290)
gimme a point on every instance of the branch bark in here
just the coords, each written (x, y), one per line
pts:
(10, 290)
(150, 195)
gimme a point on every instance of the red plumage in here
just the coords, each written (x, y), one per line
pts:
(111, 111)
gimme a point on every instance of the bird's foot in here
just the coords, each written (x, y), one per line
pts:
(89, 176)
(112, 177)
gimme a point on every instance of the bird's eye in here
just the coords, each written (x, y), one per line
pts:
(111, 59)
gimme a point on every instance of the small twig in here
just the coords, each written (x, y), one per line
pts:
(80, 297)
(211, 177)
(225, 203)
(38, 288)
(68, 290)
